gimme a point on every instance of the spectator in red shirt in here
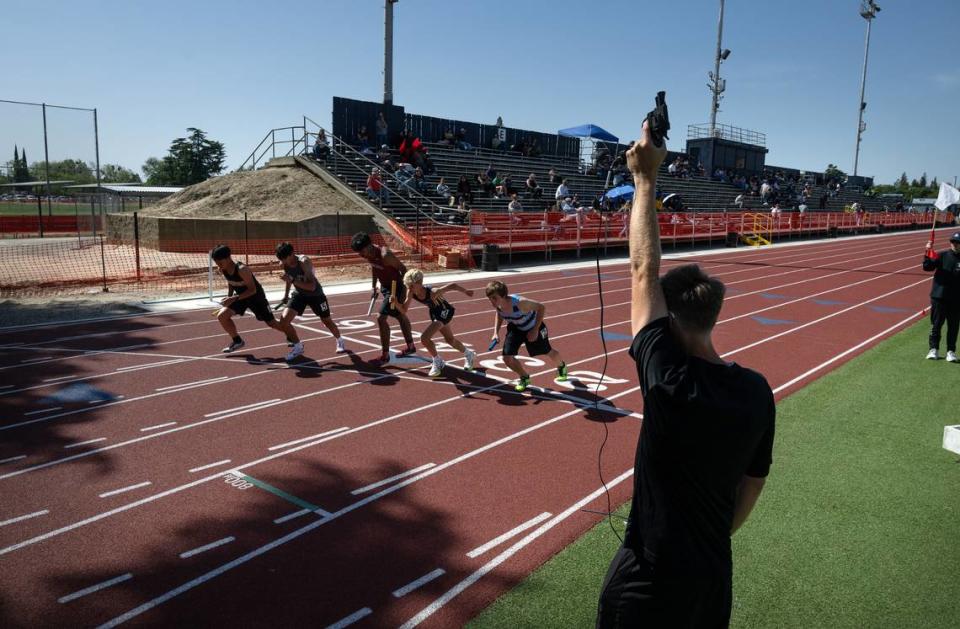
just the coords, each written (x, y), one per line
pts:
(375, 188)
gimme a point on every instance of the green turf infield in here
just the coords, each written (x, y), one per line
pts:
(857, 526)
(58, 208)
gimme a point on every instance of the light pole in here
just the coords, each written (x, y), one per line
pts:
(717, 85)
(388, 51)
(868, 11)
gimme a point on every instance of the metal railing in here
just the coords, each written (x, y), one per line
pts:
(727, 132)
(268, 146)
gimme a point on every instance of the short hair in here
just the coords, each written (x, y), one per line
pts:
(496, 287)
(360, 241)
(284, 250)
(693, 297)
(411, 277)
(220, 252)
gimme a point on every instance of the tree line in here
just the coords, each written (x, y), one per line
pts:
(189, 160)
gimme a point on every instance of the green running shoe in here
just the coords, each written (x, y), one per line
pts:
(561, 373)
(522, 384)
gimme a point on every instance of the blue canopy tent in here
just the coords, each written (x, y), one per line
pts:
(589, 131)
(621, 192)
(592, 134)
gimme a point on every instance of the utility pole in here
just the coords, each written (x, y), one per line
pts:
(868, 11)
(717, 85)
(388, 51)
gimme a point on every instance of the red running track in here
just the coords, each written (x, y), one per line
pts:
(147, 477)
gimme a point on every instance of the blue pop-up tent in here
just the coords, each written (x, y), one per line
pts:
(622, 192)
(589, 131)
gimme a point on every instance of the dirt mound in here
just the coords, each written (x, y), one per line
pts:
(288, 193)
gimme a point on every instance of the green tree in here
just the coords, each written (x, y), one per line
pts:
(923, 180)
(902, 183)
(189, 160)
(114, 173)
(833, 172)
(20, 170)
(75, 170)
(934, 185)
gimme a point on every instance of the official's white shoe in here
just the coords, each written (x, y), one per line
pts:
(232, 347)
(470, 356)
(340, 348)
(295, 351)
(932, 355)
(952, 357)
(437, 367)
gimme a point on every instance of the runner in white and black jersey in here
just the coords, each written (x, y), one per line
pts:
(244, 292)
(307, 291)
(525, 326)
(441, 314)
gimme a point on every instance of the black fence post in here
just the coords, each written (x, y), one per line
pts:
(246, 239)
(136, 242)
(103, 266)
(40, 215)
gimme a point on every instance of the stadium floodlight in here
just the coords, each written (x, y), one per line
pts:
(716, 85)
(868, 11)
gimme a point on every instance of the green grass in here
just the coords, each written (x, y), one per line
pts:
(30, 208)
(857, 525)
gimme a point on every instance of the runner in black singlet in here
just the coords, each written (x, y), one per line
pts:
(441, 314)
(307, 291)
(244, 293)
(388, 270)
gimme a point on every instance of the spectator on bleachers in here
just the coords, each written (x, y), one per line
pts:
(554, 176)
(424, 162)
(739, 201)
(520, 146)
(410, 147)
(765, 190)
(464, 190)
(514, 208)
(673, 167)
(508, 187)
(388, 166)
(384, 153)
(449, 138)
(484, 184)
(533, 150)
(321, 149)
(363, 138)
(497, 184)
(419, 180)
(491, 172)
(533, 189)
(673, 202)
(443, 191)
(775, 211)
(562, 190)
(382, 130)
(461, 139)
(375, 188)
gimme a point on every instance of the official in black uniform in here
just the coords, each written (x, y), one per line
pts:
(944, 296)
(705, 445)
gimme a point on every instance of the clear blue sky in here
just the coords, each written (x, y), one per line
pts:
(237, 69)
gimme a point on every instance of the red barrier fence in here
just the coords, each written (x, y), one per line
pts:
(27, 225)
(58, 264)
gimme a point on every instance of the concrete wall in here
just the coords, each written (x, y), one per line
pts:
(162, 232)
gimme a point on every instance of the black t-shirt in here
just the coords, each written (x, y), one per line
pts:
(705, 426)
(946, 276)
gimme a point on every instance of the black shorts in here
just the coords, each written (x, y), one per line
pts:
(257, 304)
(442, 313)
(517, 337)
(385, 309)
(318, 303)
(634, 595)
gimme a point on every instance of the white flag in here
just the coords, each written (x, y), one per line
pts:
(947, 197)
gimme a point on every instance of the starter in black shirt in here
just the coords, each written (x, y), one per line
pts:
(705, 426)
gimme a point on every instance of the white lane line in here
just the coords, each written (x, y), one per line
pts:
(7, 386)
(190, 384)
(459, 588)
(12, 459)
(209, 465)
(476, 552)
(145, 365)
(240, 408)
(113, 399)
(291, 516)
(206, 547)
(387, 481)
(24, 517)
(124, 489)
(826, 363)
(95, 588)
(83, 443)
(352, 618)
(43, 410)
(317, 436)
(413, 585)
(292, 535)
(27, 361)
(158, 426)
(59, 378)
